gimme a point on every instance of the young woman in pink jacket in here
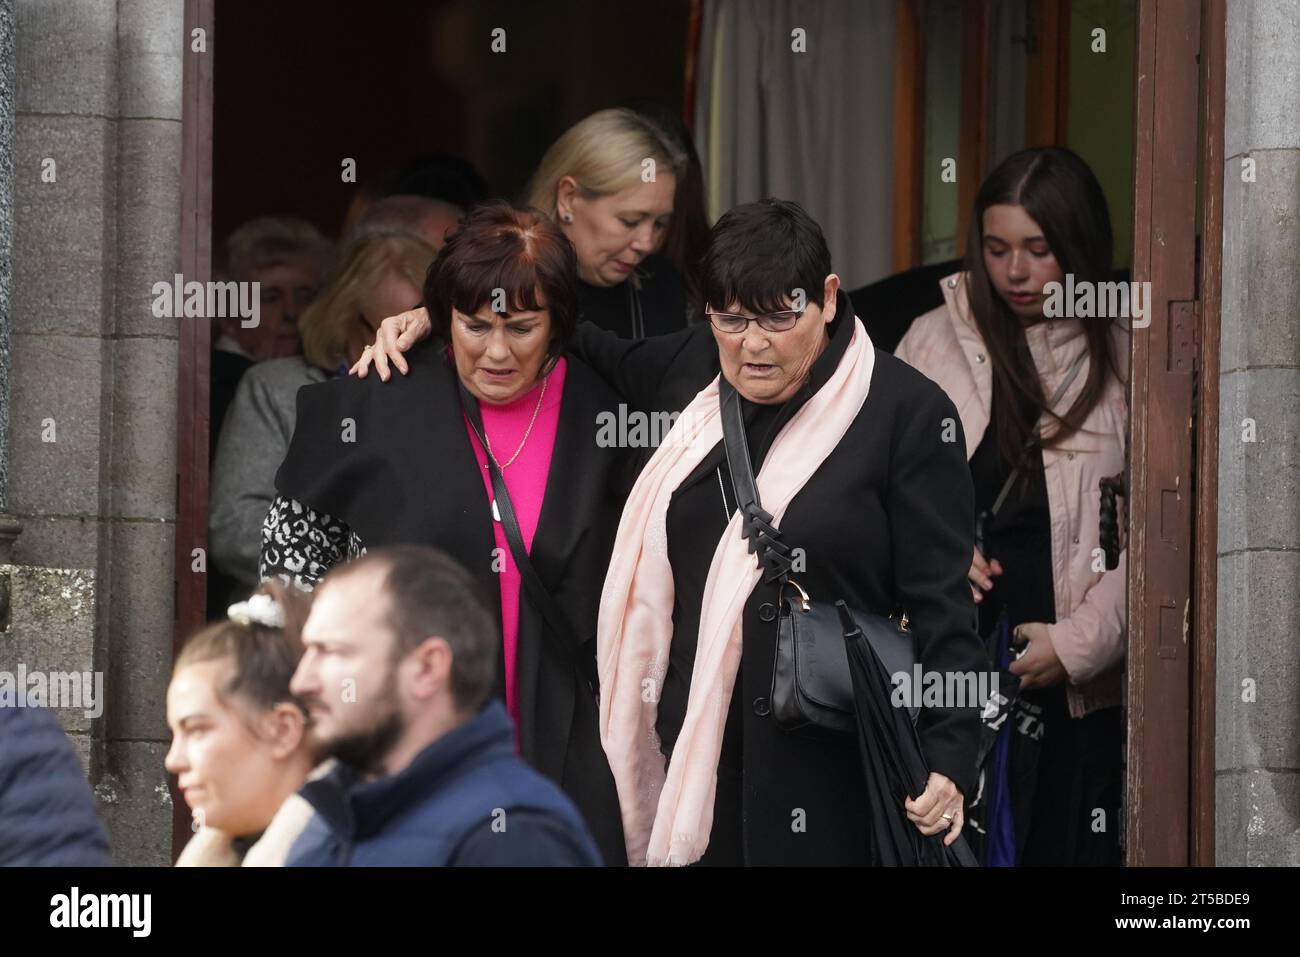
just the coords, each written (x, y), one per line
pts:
(1042, 402)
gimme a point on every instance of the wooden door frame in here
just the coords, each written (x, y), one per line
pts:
(1173, 456)
(1046, 109)
(909, 133)
(1214, 49)
(193, 356)
(973, 152)
(1047, 73)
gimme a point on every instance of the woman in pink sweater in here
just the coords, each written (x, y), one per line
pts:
(486, 450)
(1042, 398)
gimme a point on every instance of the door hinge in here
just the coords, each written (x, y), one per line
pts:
(1184, 327)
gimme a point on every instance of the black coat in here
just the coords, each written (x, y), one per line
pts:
(656, 305)
(411, 477)
(885, 523)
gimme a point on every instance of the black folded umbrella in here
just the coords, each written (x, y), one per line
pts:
(893, 764)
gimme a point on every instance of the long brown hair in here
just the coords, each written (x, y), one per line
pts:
(1060, 193)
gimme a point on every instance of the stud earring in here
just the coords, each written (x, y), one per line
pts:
(567, 217)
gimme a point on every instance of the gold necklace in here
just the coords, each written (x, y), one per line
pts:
(527, 432)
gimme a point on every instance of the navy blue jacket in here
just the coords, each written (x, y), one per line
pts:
(47, 813)
(465, 800)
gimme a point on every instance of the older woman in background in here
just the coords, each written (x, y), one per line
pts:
(381, 271)
(289, 259)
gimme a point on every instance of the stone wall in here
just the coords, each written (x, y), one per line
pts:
(92, 406)
(1258, 694)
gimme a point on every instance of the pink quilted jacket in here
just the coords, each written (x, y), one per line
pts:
(1089, 634)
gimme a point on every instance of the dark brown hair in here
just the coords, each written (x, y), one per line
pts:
(430, 595)
(1060, 193)
(263, 658)
(515, 249)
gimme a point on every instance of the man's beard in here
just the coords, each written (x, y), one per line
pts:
(365, 749)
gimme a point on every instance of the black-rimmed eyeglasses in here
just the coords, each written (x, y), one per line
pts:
(769, 322)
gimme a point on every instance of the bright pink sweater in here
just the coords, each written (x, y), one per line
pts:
(526, 481)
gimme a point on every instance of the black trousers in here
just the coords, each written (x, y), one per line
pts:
(1078, 795)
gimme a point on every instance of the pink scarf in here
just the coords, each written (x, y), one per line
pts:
(668, 812)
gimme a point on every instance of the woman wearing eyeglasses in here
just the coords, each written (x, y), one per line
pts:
(860, 461)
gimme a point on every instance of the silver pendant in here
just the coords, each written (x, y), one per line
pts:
(496, 513)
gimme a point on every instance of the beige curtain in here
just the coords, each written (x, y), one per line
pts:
(815, 127)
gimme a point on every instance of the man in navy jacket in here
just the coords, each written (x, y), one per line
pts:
(399, 665)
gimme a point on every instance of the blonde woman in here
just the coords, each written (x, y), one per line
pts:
(380, 274)
(609, 183)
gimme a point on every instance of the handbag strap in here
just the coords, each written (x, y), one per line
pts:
(757, 528)
(533, 584)
(763, 537)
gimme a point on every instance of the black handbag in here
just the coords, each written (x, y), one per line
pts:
(811, 682)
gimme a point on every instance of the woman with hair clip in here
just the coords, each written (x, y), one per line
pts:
(1042, 402)
(241, 746)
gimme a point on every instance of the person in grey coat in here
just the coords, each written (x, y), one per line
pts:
(47, 813)
(381, 271)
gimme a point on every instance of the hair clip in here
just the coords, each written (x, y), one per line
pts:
(260, 609)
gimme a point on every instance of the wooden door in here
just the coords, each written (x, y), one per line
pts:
(1174, 421)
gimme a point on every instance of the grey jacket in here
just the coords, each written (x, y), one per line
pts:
(254, 440)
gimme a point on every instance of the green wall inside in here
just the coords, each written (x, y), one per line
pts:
(1099, 113)
(1100, 110)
